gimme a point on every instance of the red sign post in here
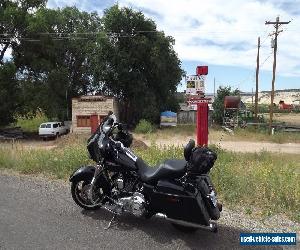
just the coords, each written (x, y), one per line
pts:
(202, 70)
(202, 124)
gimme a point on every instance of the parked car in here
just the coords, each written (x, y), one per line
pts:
(52, 129)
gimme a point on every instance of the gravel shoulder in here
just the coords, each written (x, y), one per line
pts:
(37, 213)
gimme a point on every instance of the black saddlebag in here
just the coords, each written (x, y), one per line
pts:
(206, 188)
(170, 197)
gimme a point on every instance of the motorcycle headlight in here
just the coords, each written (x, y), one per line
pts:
(106, 128)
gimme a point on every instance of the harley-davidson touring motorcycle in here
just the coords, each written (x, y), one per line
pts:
(178, 190)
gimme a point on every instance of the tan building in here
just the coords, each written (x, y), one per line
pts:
(86, 107)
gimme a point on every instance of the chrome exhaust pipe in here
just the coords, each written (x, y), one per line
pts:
(212, 227)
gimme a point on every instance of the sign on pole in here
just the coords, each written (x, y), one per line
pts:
(195, 84)
(193, 101)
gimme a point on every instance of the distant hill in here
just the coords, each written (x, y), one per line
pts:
(283, 90)
(289, 96)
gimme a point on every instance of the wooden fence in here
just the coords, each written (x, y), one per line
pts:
(190, 117)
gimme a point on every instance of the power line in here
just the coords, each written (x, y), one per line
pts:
(136, 31)
(262, 64)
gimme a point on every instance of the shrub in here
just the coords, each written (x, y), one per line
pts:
(144, 127)
(218, 104)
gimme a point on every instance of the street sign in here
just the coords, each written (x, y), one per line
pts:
(202, 70)
(195, 84)
(194, 101)
(199, 100)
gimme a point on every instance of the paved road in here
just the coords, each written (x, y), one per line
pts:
(39, 214)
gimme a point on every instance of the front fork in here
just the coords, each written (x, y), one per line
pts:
(98, 170)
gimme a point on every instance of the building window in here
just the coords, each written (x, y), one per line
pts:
(83, 121)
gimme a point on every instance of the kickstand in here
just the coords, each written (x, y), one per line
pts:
(111, 222)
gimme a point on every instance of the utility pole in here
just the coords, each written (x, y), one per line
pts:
(214, 87)
(276, 24)
(256, 86)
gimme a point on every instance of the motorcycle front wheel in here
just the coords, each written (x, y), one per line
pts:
(80, 193)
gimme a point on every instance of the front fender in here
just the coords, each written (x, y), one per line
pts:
(83, 173)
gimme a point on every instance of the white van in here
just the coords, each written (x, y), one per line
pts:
(52, 129)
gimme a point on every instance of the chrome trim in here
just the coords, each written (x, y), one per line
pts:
(98, 169)
(211, 227)
(212, 196)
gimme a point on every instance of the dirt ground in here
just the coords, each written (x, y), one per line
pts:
(29, 144)
(290, 118)
(236, 146)
(175, 139)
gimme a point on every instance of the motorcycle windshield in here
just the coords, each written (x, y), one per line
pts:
(108, 123)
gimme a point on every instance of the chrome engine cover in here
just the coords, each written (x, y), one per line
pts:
(134, 204)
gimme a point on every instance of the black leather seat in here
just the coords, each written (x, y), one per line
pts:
(169, 169)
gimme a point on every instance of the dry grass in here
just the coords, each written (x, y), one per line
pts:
(261, 135)
(182, 132)
(288, 118)
(267, 182)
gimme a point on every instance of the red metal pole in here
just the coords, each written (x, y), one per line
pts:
(202, 124)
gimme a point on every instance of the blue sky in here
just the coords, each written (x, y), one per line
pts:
(222, 36)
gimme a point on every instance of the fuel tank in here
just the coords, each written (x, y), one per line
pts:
(123, 161)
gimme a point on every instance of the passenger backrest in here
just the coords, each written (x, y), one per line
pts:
(188, 149)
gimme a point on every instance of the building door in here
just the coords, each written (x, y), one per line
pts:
(94, 123)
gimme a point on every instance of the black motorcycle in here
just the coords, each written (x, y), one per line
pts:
(178, 190)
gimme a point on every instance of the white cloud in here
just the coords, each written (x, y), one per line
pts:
(225, 33)
(61, 3)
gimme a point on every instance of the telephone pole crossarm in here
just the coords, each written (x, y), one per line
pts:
(279, 23)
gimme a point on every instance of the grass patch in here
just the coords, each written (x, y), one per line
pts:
(263, 181)
(188, 130)
(260, 180)
(31, 125)
(59, 162)
(144, 127)
(261, 134)
(253, 135)
(218, 134)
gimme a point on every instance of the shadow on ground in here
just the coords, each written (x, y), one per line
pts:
(163, 232)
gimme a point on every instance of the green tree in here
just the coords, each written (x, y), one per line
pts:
(218, 104)
(8, 93)
(137, 64)
(64, 53)
(13, 22)
(56, 59)
(14, 16)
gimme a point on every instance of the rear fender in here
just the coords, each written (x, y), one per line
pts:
(83, 173)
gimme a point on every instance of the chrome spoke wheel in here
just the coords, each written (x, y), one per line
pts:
(81, 193)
